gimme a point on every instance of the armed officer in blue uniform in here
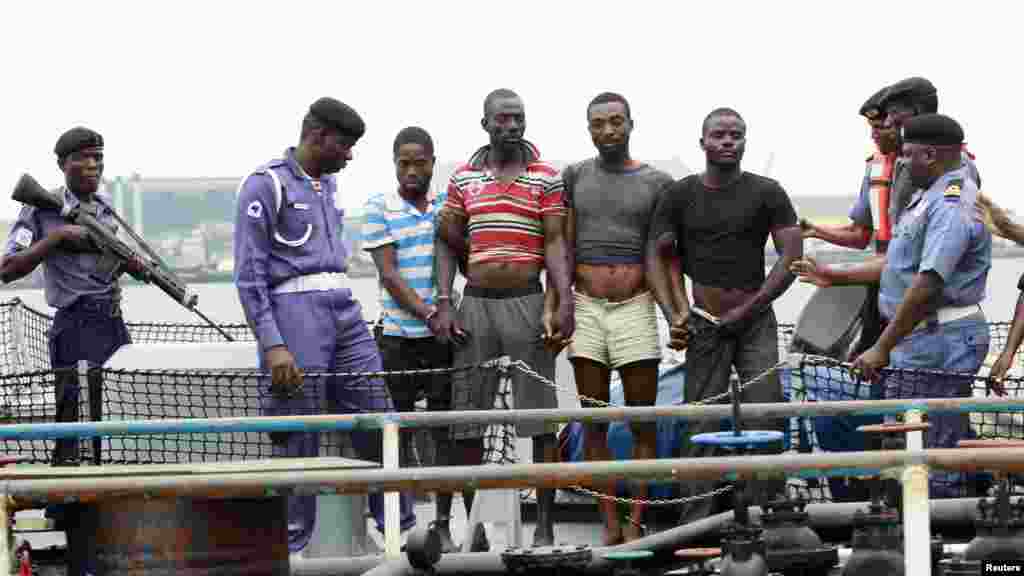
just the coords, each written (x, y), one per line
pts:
(81, 283)
(932, 284)
(290, 266)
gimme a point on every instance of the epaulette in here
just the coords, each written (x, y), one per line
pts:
(952, 192)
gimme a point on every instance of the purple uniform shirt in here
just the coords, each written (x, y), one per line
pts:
(277, 239)
(67, 274)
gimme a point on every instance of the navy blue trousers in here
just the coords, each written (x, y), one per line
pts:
(91, 329)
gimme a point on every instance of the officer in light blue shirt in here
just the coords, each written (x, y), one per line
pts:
(932, 283)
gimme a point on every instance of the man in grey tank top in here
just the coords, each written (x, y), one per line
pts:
(611, 199)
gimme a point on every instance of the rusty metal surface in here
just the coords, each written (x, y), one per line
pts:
(141, 536)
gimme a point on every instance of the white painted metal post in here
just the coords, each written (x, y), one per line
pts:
(917, 531)
(6, 536)
(392, 510)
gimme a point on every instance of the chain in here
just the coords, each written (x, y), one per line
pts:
(496, 363)
(526, 369)
(652, 502)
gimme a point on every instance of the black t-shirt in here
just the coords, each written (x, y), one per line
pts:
(721, 233)
(1020, 283)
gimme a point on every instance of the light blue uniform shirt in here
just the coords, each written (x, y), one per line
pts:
(939, 232)
(67, 274)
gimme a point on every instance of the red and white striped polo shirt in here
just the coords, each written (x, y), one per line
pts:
(506, 220)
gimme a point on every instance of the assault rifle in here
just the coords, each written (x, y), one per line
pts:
(152, 271)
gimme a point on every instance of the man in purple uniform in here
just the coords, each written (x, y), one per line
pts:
(290, 266)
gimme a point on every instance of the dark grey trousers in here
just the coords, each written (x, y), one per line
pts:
(751, 349)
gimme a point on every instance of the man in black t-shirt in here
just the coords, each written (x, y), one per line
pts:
(718, 223)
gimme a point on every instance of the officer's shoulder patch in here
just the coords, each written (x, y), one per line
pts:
(952, 192)
(255, 209)
(23, 237)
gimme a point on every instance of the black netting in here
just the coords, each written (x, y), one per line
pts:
(821, 380)
(183, 394)
(23, 340)
(28, 386)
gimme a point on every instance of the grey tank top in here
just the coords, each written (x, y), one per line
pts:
(613, 209)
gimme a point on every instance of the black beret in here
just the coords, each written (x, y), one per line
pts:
(872, 107)
(913, 90)
(933, 130)
(76, 139)
(339, 116)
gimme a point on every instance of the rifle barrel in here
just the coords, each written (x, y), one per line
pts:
(29, 191)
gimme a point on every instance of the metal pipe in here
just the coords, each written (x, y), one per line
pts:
(347, 422)
(6, 536)
(917, 532)
(54, 484)
(491, 563)
(943, 512)
(392, 511)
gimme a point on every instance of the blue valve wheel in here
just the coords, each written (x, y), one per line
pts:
(745, 438)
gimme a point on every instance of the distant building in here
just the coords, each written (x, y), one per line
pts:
(443, 170)
(189, 221)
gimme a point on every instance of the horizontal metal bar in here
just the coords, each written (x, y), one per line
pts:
(51, 430)
(302, 480)
(326, 422)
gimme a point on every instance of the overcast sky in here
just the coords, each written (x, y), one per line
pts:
(213, 88)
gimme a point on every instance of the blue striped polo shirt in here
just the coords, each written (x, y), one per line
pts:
(392, 220)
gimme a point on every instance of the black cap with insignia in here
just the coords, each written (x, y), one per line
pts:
(917, 91)
(933, 130)
(872, 107)
(76, 139)
(338, 116)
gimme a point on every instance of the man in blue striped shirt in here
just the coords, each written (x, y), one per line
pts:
(399, 234)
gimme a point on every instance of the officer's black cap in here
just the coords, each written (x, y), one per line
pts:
(872, 107)
(338, 116)
(914, 90)
(933, 130)
(76, 139)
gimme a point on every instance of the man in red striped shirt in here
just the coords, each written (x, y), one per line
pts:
(511, 204)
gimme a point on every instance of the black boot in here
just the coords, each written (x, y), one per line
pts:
(544, 534)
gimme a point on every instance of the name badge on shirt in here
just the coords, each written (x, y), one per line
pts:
(300, 206)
